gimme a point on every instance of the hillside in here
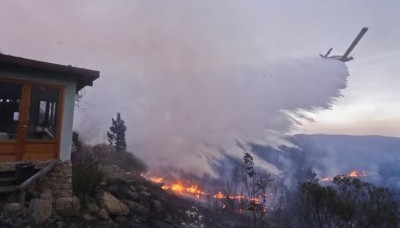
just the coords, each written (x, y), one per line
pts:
(329, 155)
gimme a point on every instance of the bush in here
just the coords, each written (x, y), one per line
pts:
(128, 161)
(349, 202)
(86, 178)
(106, 155)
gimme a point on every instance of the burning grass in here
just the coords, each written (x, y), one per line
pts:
(351, 174)
(183, 188)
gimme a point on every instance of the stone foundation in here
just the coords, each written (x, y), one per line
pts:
(50, 195)
(59, 181)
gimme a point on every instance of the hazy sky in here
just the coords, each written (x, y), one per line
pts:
(116, 37)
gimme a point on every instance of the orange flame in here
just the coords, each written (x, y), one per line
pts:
(353, 174)
(219, 195)
(157, 180)
(193, 190)
(356, 173)
(182, 189)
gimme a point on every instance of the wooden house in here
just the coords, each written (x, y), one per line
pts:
(37, 107)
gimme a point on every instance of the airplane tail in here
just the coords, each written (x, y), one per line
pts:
(327, 53)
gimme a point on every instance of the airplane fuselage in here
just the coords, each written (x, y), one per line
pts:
(345, 57)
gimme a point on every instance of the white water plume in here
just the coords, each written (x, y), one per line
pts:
(185, 119)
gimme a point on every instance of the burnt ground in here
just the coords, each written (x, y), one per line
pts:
(150, 206)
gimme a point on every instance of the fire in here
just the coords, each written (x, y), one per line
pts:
(240, 210)
(183, 189)
(356, 173)
(157, 180)
(353, 174)
(193, 190)
(326, 179)
(219, 195)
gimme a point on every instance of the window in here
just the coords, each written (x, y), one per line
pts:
(10, 95)
(42, 120)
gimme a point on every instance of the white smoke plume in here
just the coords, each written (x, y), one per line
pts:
(190, 78)
(186, 117)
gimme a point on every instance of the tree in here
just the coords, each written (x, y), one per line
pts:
(116, 135)
(256, 185)
(316, 204)
(363, 204)
(76, 141)
(349, 202)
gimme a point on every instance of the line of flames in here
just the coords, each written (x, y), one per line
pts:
(194, 190)
(353, 174)
(181, 188)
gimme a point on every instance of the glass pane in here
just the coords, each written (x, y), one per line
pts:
(10, 97)
(42, 120)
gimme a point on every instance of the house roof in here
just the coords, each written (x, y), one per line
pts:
(85, 77)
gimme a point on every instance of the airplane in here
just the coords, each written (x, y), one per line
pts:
(345, 57)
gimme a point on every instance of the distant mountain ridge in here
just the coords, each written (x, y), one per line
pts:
(330, 155)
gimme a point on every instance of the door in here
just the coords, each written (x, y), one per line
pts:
(30, 120)
(10, 109)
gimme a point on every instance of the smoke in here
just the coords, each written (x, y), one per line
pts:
(330, 155)
(185, 118)
(192, 79)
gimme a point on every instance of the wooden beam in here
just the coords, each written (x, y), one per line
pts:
(37, 175)
(22, 187)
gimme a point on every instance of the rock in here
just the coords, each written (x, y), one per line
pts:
(133, 195)
(102, 213)
(40, 210)
(76, 204)
(60, 224)
(92, 207)
(107, 224)
(161, 224)
(137, 208)
(11, 207)
(67, 206)
(143, 188)
(114, 206)
(121, 219)
(87, 217)
(18, 222)
(146, 194)
(156, 205)
(46, 194)
(63, 193)
(112, 188)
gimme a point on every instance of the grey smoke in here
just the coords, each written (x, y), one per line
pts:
(331, 155)
(191, 78)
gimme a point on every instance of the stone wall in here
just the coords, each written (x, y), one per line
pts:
(59, 182)
(49, 196)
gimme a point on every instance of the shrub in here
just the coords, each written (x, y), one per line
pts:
(106, 155)
(128, 161)
(86, 178)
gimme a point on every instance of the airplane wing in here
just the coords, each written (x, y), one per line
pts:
(355, 42)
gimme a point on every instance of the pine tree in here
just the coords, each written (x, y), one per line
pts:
(116, 135)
